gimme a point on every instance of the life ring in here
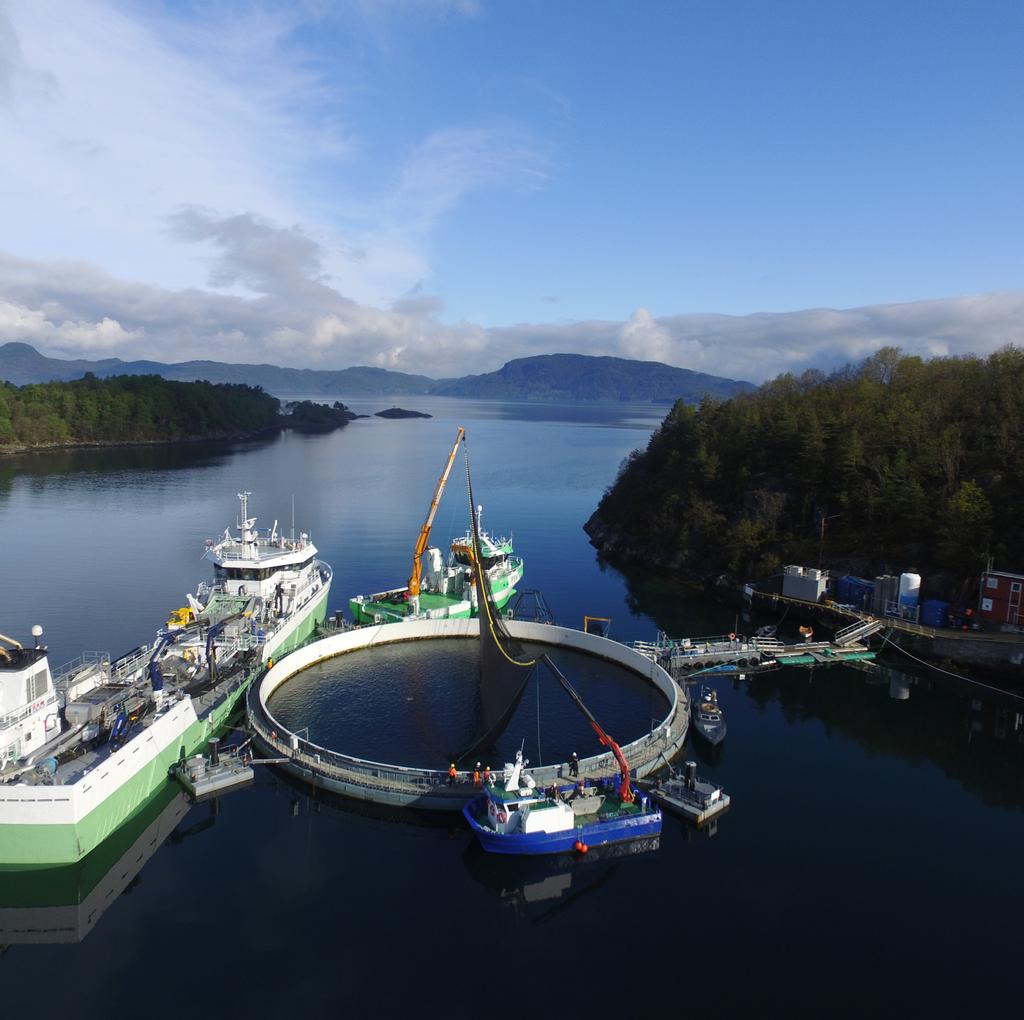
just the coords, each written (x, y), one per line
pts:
(502, 815)
(732, 637)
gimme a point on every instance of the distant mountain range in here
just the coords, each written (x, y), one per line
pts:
(544, 377)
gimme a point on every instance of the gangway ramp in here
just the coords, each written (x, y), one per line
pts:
(858, 631)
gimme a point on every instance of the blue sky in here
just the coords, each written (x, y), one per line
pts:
(736, 187)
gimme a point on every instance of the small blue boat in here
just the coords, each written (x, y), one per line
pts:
(513, 817)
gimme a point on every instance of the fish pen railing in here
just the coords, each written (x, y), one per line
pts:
(318, 759)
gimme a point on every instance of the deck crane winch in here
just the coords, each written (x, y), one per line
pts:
(424, 536)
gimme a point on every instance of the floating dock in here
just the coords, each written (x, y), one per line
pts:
(685, 794)
(731, 655)
(204, 776)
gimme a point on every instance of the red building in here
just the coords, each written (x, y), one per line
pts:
(1000, 598)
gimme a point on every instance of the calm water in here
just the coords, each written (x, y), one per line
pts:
(414, 704)
(870, 862)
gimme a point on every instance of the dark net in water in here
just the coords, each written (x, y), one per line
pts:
(413, 704)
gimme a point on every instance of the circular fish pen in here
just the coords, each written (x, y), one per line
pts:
(385, 782)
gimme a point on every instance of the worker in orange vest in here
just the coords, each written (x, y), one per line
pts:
(452, 774)
(487, 775)
(476, 776)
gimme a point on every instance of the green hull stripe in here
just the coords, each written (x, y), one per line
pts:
(46, 845)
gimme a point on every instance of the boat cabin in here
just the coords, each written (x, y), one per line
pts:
(514, 805)
(29, 711)
(262, 564)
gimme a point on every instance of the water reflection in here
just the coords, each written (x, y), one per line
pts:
(42, 469)
(538, 889)
(48, 905)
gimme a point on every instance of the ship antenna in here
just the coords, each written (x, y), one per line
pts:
(293, 516)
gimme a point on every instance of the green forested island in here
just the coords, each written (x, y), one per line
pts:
(129, 409)
(895, 463)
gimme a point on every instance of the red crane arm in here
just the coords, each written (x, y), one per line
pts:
(625, 791)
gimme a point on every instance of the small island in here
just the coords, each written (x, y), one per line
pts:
(401, 412)
(309, 416)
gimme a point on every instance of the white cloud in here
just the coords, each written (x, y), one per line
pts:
(292, 316)
(451, 163)
(68, 335)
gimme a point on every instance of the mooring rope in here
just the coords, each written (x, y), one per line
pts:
(977, 683)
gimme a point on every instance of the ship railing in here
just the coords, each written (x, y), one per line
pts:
(63, 673)
(23, 712)
(130, 662)
(220, 693)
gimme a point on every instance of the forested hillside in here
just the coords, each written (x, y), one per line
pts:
(129, 409)
(907, 462)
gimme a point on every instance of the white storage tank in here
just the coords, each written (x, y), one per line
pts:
(910, 590)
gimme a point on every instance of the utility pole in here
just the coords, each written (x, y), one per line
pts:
(821, 539)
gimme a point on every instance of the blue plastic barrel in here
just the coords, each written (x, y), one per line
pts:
(935, 613)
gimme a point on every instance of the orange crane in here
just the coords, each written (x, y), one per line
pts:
(421, 542)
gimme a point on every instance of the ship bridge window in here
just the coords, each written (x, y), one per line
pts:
(249, 574)
(488, 561)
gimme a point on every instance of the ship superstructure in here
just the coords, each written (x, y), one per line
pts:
(448, 588)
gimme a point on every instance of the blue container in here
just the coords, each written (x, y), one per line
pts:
(853, 591)
(935, 613)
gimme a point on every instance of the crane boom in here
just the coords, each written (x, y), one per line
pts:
(625, 792)
(424, 536)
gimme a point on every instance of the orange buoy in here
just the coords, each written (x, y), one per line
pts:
(581, 847)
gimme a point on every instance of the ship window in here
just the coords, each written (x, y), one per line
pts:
(250, 574)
